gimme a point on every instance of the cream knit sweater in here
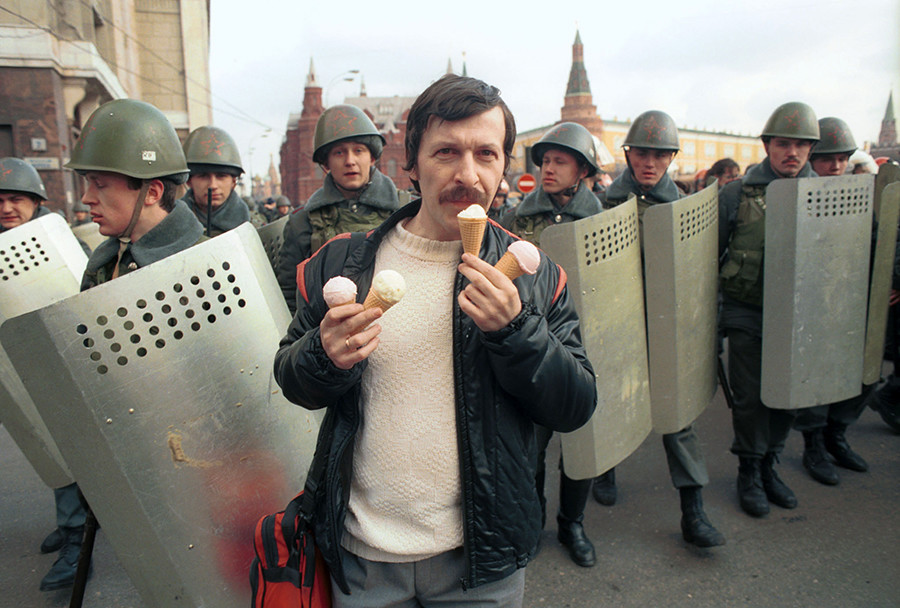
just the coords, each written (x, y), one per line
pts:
(405, 495)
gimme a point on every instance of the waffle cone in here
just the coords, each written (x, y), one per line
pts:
(472, 232)
(374, 301)
(509, 266)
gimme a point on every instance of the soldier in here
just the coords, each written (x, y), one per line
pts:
(132, 163)
(215, 165)
(256, 218)
(824, 426)
(21, 193)
(724, 170)
(650, 147)
(356, 196)
(759, 431)
(566, 156)
(283, 206)
(499, 205)
(82, 214)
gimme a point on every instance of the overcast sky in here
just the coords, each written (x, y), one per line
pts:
(715, 65)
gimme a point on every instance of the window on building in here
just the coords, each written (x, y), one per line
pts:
(6, 141)
(709, 150)
(689, 148)
(728, 150)
(746, 152)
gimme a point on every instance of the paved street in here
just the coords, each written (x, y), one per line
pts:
(839, 548)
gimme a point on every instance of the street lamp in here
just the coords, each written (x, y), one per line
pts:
(344, 76)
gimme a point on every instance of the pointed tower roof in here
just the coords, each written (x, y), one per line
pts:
(464, 72)
(889, 112)
(362, 86)
(311, 76)
(578, 80)
(449, 66)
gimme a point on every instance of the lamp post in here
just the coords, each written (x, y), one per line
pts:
(250, 150)
(345, 77)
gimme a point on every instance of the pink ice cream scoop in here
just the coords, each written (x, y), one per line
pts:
(521, 257)
(339, 291)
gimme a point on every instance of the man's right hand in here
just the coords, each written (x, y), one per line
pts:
(349, 334)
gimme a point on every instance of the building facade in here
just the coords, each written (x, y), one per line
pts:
(61, 60)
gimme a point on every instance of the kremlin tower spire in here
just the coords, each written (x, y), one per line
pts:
(579, 106)
(312, 95)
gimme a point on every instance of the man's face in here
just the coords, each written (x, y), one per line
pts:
(349, 163)
(221, 184)
(16, 208)
(559, 171)
(459, 163)
(830, 164)
(729, 176)
(648, 165)
(787, 155)
(283, 210)
(111, 201)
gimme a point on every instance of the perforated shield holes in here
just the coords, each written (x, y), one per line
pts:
(610, 240)
(112, 340)
(272, 237)
(21, 257)
(694, 221)
(838, 201)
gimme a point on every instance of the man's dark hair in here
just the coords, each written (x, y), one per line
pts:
(721, 166)
(170, 188)
(455, 98)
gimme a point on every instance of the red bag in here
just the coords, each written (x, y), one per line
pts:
(288, 570)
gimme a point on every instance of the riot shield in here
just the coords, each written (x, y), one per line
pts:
(90, 234)
(887, 206)
(272, 237)
(602, 257)
(818, 236)
(40, 263)
(164, 406)
(681, 281)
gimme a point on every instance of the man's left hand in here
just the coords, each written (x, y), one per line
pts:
(490, 298)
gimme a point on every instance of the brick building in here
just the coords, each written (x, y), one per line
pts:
(887, 145)
(300, 176)
(59, 61)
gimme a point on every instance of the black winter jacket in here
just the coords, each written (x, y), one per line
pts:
(533, 371)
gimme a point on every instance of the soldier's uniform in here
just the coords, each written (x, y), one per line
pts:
(538, 211)
(687, 467)
(328, 212)
(212, 150)
(759, 431)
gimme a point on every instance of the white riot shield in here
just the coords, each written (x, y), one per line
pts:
(272, 237)
(164, 406)
(818, 236)
(90, 234)
(40, 263)
(887, 209)
(681, 282)
(602, 257)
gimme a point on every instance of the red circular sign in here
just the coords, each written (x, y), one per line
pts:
(526, 183)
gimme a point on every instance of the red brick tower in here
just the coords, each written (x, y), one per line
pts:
(579, 106)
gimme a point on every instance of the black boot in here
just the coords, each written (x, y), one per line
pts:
(776, 490)
(604, 488)
(815, 459)
(750, 489)
(53, 542)
(695, 526)
(571, 535)
(837, 446)
(885, 401)
(62, 573)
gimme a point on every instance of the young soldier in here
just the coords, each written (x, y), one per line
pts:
(759, 431)
(650, 147)
(429, 493)
(356, 196)
(21, 193)
(215, 165)
(566, 156)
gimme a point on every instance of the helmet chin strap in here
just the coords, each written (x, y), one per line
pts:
(125, 236)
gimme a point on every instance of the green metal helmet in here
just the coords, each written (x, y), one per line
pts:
(342, 122)
(18, 176)
(654, 130)
(836, 137)
(212, 150)
(130, 137)
(794, 120)
(569, 136)
(283, 201)
(80, 206)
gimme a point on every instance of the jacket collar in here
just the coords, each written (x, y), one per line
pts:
(224, 217)
(665, 190)
(583, 204)
(762, 174)
(379, 193)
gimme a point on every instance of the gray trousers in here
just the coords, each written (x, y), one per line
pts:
(686, 464)
(429, 582)
(844, 412)
(69, 511)
(758, 430)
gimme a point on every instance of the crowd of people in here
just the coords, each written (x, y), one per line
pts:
(439, 411)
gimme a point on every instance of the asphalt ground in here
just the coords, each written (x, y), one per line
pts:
(838, 548)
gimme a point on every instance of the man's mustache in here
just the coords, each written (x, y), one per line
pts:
(463, 194)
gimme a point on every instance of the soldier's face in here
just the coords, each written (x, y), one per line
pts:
(787, 155)
(110, 200)
(349, 163)
(220, 184)
(559, 171)
(648, 165)
(830, 164)
(459, 163)
(16, 208)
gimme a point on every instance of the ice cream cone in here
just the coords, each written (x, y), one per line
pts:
(472, 231)
(374, 301)
(509, 266)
